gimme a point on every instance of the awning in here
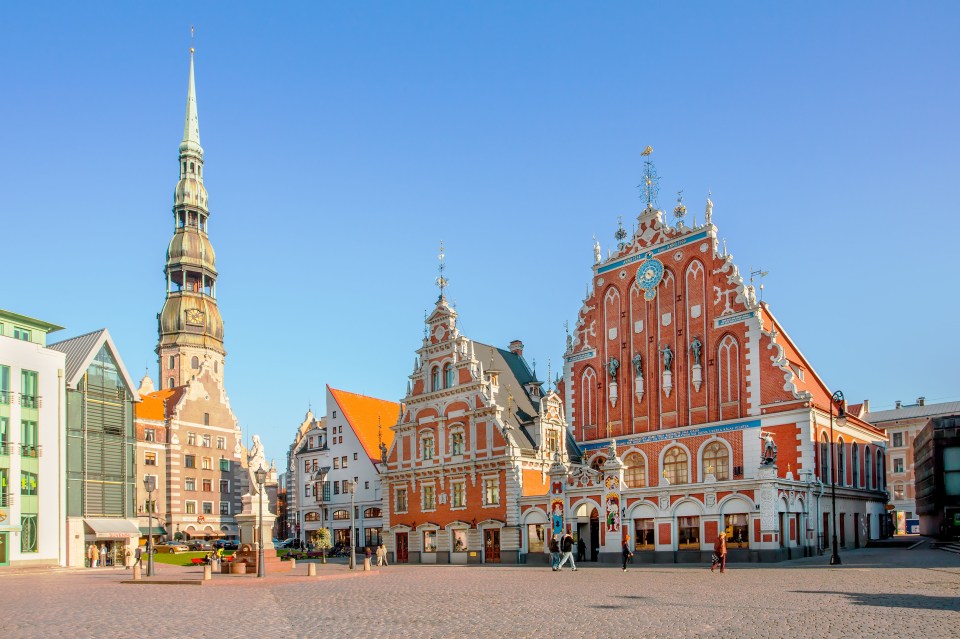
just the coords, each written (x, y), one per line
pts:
(145, 530)
(113, 528)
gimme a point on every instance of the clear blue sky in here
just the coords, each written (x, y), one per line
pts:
(345, 140)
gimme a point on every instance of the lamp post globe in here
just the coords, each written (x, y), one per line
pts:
(261, 476)
(150, 485)
(835, 402)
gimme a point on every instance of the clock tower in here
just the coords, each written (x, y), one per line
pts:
(190, 327)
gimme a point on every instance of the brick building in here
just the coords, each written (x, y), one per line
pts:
(477, 432)
(716, 419)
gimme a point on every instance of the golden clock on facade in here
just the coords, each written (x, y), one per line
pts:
(194, 316)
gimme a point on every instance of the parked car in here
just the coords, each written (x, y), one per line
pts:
(291, 542)
(172, 547)
(199, 544)
(226, 544)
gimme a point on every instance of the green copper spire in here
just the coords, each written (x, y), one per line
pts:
(191, 124)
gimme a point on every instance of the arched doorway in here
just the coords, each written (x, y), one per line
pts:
(588, 532)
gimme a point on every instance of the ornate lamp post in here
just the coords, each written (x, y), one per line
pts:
(353, 492)
(150, 485)
(836, 400)
(261, 476)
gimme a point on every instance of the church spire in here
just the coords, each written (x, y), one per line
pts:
(191, 124)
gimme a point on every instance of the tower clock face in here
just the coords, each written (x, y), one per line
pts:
(194, 317)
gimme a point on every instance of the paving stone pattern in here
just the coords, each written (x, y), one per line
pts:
(875, 593)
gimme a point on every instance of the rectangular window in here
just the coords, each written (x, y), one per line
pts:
(898, 464)
(313, 466)
(149, 506)
(189, 461)
(371, 537)
(306, 465)
(737, 529)
(343, 462)
(344, 486)
(149, 435)
(460, 541)
(29, 389)
(458, 498)
(208, 508)
(400, 500)
(491, 492)
(355, 457)
(429, 498)
(224, 465)
(428, 447)
(336, 463)
(29, 447)
(688, 533)
(21, 334)
(206, 441)
(897, 440)
(456, 447)
(222, 443)
(898, 491)
(29, 533)
(4, 435)
(191, 439)
(191, 507)
(643, 534)
(535, 533)
(206, 422)
(207, 485)
(334, 414)
(326, 491)
(190, 484)
(366, 485)
(28, 483)
(336, 488)
(4, 384)
(429, 541)
(207, 463)
(224, 507)
(306, 490)
(224, 485)
(171, 362)
(149, 459)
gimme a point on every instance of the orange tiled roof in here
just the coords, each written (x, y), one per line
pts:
(158, 404)
(363, 413)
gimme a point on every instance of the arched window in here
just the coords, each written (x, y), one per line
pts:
(824, 459)
(868, 468)
(435, 379)
(195, 362)
(675, 465)
(855, 457)
(597, 462)
(728, 377)
(716, 461)
(170, 383)
(171, 362)
(370, 513)
(427, 447)
(881, 472)
(588, 398)
(447, 375)
(341, 514)
(191, 167)
(841, 463)
(311, 517)
(635, 474)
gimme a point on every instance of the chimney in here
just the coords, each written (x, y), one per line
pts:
(921, 401)
(516, 347)
(898, 405)
(866, 406)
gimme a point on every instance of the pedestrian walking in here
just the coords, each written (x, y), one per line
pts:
(581, 550)
(382, 556)
(627, 553)
(719, 553)
(554, 552)
(138, 557)
(566, 545)
(220, 558)
(92, 555)
(103, 555)
(127, 558)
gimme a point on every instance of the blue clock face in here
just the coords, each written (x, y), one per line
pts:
(649, 275)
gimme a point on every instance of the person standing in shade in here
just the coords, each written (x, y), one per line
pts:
(581, 550)
(554, 552)
(627, 553)
(381, 556)
(566, 545)
(92, 555)
(103, 555)
(719, 553)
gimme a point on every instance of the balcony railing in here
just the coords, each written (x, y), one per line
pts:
(6, 499)
(31, 401)
(28, 450)
(4, 448)
(5, 396)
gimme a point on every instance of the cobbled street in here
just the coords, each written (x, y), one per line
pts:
(875, 593)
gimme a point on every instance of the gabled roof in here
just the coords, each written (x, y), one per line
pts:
(81, 350)
(364, 415)
(912, 412)
(514, 374)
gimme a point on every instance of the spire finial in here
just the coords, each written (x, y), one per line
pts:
(650, 179)
(441, 280)
(549, 373)
(679, 210)
(425, 325)
(191, 124)
(192, 31)
(621, 233)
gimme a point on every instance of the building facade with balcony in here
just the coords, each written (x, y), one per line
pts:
(31, 443)
(697, 413)
(100, 449)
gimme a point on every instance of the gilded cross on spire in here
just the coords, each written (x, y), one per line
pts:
(441, 280)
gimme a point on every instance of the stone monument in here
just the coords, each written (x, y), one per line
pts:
(250, 516)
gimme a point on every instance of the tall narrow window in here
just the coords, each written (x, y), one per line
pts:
(428, 447)
(635, 474)
(716, 461)
(855, 455)
(456, 440)
(588, 398)
(4, 384)
(728, 377)
(675, 465)
(28, 389)
(447, 375)
(868, 468)
(435, 379)
(841, 463)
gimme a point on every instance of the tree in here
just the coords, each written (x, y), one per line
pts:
(320, 538)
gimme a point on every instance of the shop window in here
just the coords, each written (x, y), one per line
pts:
(643, 535)
(460, 541)
(429, 541)
(535, 537)
(737, 529)
(371, 537)
(688, 533)
(28, 483)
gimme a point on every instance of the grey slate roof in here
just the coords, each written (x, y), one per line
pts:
(81, 350)
(911, 412)
(514, 373)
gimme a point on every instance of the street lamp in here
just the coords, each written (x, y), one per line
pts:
(150, 485)
(261, 476)
(353, 491)
(836, 400)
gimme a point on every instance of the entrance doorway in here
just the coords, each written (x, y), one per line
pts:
(856, 530)
(491, 545)
(401, 556)
(594, 540)
(4, 549)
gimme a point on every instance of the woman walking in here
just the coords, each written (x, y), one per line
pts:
(627, 553)
(719, 553)
(381, 556)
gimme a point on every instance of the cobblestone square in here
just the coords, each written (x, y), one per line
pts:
(875, 593)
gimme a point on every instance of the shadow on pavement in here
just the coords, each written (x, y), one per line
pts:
(918, 602)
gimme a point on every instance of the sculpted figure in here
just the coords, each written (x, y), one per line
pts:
(637, 365)
(612, 366)
(667, 357)
(696, 346)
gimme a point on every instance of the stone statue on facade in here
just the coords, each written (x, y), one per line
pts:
(696, 346)
(667, 357)
(769, 450)
(596, 251)
(709, 211)
(637, 365)
(383, 453)
(613, 366)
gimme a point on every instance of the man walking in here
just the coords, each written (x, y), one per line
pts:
(719, 553)
(566, 545)
(138, 557)
(627, 553)
(554, 552)
(381, 556)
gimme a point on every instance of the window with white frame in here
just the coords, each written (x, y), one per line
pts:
(149, 459)
(429, 497)
(675, 465)
(192, 439)
(897, 440)
(491, 491)
(191, 507)
(427, 446)
(716, 461)
(456, 443)
(224, 507)
(458, 494)
(222, 443)
(898, 464)
(190, 484)
(400, 500)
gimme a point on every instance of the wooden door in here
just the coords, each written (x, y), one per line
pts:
(401, 552)
(491, 545)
